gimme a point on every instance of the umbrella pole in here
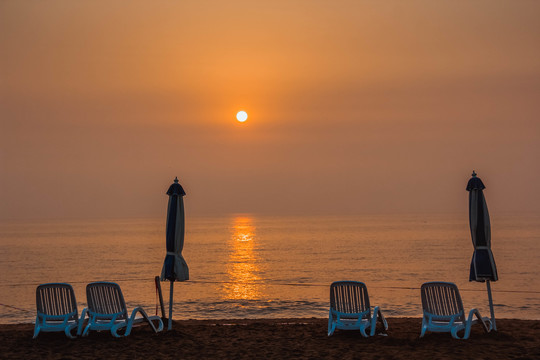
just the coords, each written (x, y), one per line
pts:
(493, 325)
(171, 305)
(158, 287)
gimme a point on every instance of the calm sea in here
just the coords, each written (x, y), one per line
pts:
(248, 266)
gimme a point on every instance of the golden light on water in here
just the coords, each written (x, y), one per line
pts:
(243, 263)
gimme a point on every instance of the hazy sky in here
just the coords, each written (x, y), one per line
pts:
(354, 106)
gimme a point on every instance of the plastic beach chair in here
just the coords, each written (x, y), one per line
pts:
(350, 309)
(443, 311)
(56, 309)
(107, 311)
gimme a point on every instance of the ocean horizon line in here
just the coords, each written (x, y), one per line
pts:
(269, 215)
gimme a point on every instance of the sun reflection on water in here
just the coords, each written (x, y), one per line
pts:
(243, 266)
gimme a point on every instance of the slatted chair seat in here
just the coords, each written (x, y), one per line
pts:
(56, 309)
(443, 311)
(350, 309)
(107, 311)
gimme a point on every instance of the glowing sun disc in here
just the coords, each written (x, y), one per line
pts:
(241, 116)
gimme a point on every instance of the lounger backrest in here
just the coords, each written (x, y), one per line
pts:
(349, 297)
(442, 299)
(106, 298)
(56, 299)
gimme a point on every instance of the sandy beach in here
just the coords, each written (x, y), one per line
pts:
(276, 339)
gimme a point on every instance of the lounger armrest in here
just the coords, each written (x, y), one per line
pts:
(480, 320)
(141, 311)
(468, 324)
(339, 315)
(45, 318)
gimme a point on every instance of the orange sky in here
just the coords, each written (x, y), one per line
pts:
(354, 106)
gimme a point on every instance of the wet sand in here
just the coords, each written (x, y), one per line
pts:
(276, 339)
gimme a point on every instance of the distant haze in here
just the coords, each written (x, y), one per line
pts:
(354, 106)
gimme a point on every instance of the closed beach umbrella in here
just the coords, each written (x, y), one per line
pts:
(174, 266)
(483, 267)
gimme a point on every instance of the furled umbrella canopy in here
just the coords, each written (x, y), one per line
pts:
(482, 264)
(175, 267)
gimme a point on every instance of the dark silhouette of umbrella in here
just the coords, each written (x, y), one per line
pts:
(174, 266)
(483, 268)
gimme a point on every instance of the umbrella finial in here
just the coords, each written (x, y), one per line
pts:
(176, 188)
(475, 183)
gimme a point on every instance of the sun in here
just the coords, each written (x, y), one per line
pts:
(241, 116)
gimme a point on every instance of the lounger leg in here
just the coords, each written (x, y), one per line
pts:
(81, 322)
(115, 328)
(331, 329)
(490, 327)
(363, 330)
(87, 328)
(424, 327)
(68, 330)
(377, 315)
(374, 321)
(37, 328)
(455, 329)
(483, 322)
(331, 324)
(384, 322)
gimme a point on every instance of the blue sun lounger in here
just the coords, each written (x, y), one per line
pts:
(56, 309)
(107, 311)
(350, 309)
(443, 311)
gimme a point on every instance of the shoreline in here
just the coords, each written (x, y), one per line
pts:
(297, 338)
(247, 321)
